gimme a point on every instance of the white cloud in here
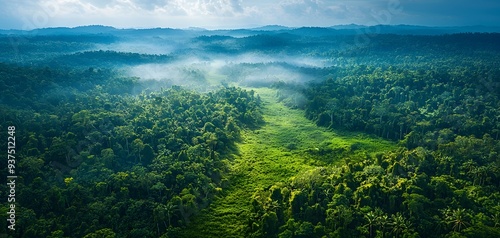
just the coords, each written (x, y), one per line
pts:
(184, 13)
(132, 13)
(224, 8)
(332, 12)
(236, 13)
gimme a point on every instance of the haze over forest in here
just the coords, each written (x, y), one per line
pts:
(284, 119)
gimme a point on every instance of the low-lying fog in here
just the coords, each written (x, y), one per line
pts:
(245, 70)
(200, 67)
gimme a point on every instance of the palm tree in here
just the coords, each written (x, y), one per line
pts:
(371, 219)
(496, 219)
(382, 220)
(457, 218)
(399, 224)
(344, 215)
(169, 210)
(274, 206)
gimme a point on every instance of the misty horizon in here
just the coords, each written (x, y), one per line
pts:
(237, 14)
(260, 27)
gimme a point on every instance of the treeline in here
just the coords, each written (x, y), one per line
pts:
(77, 51)
(353, 48)
(45, 88)
(28, 49)
(107, 59)
(424, 107)
(98, 164)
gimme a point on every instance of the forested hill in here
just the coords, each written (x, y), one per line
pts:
(96, 161)
(59, 47)
(333, 30)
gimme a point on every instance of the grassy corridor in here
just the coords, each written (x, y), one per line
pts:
(271, 154)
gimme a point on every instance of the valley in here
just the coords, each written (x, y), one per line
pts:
(273, 132)
(264, 158)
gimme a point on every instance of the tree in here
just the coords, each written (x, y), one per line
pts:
(457, 218)
(371, 219)
(383, 221)
(270, 224)
(170, 210)
(102, 233)
(108, 157)
(125, 132)
(305, 230)
(399, 224)
(416, 204)
(137, 147)
(159, 216)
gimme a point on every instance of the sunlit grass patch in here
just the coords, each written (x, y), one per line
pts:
(286, 145)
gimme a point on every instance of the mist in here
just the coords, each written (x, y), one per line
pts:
(206, 63)
(213, 71)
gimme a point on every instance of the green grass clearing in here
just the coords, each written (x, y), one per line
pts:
(286, 145)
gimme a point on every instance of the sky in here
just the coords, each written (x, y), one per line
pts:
(230, 14)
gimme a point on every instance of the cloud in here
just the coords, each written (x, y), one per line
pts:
(26, 14)
(328, 12)
(458, 12)
(176, 7)
(209, 7)
(122, 13)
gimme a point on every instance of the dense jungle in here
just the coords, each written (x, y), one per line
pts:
(265, 132)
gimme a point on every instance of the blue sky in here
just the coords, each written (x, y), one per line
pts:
(216, 14)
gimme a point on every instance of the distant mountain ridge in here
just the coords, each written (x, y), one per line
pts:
(271, 28)
(268, 29)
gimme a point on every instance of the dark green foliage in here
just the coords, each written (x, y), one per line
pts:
(139, 167)
(422, 107)
(402, 200)
(444, 179)
(107, 59)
